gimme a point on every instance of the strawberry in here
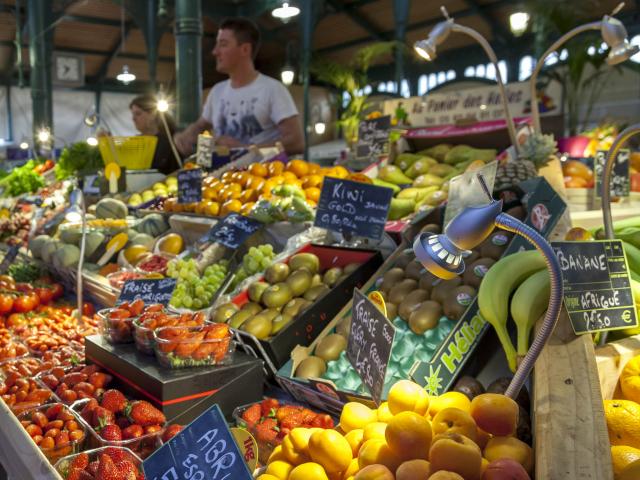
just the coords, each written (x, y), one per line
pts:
(106, 469)
(113, 400)
(322, 421)
(90, 369)
(286, 410)
(87, 410)
(127, 470)
(171, 431)
(78, 474)
(252, 414)
(132, 431)
(72, 378)
(101, 417)
(143, 413)
(93, 468)
(123, 422)
(99, 379)
(292, 421)
(267, 430)
(117, 454)
(268, 407)
(111, 433)
(308, 415)
(80, 461)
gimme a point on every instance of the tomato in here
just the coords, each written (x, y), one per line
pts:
(87, 309)
(45, 294)
(57, 290)
(6, 304)
(23, 287)
(15, 320)
(26, 303)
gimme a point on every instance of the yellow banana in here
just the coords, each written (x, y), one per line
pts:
(496, 287)
(528, 304)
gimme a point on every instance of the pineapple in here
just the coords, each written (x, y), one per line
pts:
(537, 150)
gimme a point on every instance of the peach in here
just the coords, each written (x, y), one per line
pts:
(482, 438)
(454, 420)
(377, 451)
(374, 472)
(509, 447)
(495, 413)
(443, 475)
(453, 452)
(505, 469)
(409, 436)
(413, 470)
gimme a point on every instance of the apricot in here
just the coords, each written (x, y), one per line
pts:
(409, 436)
(355, 439)
(374, 430)
(443, 475)
(482, 438)
(505, 469)
(351, 470)
(407, 396)
(495, 413)
(374, 472)
(631, 471)
(413, 470)
(377, 451)
(509, 447)
(384, 414)
(453, 452)
(449, 400)
(356, 415)
(454, 420)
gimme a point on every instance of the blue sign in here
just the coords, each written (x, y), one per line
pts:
(353, 208)
(205, 449)
(232, 230)
(149, 290)
(190, 185)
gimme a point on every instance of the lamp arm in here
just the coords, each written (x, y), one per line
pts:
(535, 114)
(503, 93)
(83, 241)
(620, 140)
(170, 138)
(513, 225)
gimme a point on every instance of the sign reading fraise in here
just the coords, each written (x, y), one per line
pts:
(149, 290)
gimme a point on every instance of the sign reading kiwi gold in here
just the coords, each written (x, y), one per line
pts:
(369, 344)
(597, 288)
(353, 208)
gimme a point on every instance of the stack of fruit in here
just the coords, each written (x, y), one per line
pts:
(76, 383)
(577, 174)
(155, 317)
(193, 346)
(412, 436)
(195, 289)
(117, 322)
(101, 463)
(159, 190)
(256, 260)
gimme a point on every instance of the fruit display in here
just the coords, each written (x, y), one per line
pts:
(157, 191)
(54, 429)
(193, 346)
(255, 261)
(22, 393)
(407, 438)
(577, 174)
(75, 383)
(117, 322)
(195, 289)
(270, 421)
(155, 317)
(101, 463)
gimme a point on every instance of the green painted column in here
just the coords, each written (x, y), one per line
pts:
(401, 15)
(188, 33)
(40, 44)
(308, 14)
(151, 38)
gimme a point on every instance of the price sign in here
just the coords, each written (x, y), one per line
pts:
(232, 230)
(373, 137)
(353, 207)
(8, 259)
(190, 185)
(369, 344)
(597, 289)
(205, 449)
(204, 148)
(619, 186)
(148, 290)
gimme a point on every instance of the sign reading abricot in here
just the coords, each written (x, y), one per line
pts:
(190, 185)
(373, 137)
(597, 288)
(353, 208)
(619, 186)
(205, 449)
(149, 290)
(369, 344)
(232, 230)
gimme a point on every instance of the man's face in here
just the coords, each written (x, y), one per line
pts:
(227, 52)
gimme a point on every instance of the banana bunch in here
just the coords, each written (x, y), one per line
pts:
(526, 274)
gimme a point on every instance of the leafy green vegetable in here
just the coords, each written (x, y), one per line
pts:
(77, 157)
(22, 180)
(25, 272)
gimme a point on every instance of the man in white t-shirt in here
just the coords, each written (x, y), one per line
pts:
(249, 108)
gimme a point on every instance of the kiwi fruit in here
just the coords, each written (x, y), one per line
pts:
(425, 317)
(316, 292)
(475, 272)
(431, 228)
(350, 268)
(331, 276)
(258, 326)
(316, 280)
(239, 318)
(404, 258)
(224, 312)
(469, 386)
(440, 291)
(392, 310)
(344, 327)
(401, 290)
(270, 313)
(458, 300)
(305, 260)
(276, 273)
(411, 302)
(251, 307)
(256, 289)
(277, 295)
(311, 367)
(495, 245)
(330, 347)
(295, 306)
(414, 270)
(279, 322)
(427, 280)
(472, 257)
(391, 278)
(299, 282)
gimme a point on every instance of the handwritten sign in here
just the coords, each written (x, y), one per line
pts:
(619, 186)
(373, 137)
(148, 290)
(353, 207)
(369, 344)
(232, 230)
(205, 449)
(9, 257)
(190, 185)
(597, 289)
(204, 148)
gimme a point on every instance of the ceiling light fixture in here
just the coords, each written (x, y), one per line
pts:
(163, 105)
(518, 22)
(320, 128)
(285, 11)
(287, 75)
(126, 76)
(93, 141)
(24, 145)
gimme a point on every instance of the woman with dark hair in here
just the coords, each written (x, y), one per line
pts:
(148, 122)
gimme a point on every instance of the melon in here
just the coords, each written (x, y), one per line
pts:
(71, 234)
(153, 224)
(111, 208)
(48, 249)
(91, 267)
(93, 241)
(143, 239)
(36, 244)
(66, 256)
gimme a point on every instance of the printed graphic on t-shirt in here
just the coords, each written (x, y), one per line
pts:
(239, 120)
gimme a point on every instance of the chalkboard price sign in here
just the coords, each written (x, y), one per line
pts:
(190, 185)
(619, 176)
(148, 290)
(597, 289)
(353, 208)
(373, 137)
(369, 344)
(232, 230)
(205, 449)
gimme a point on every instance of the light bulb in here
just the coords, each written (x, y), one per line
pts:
(24, 145)
(126, 76)
(163, 105)
(287, 75)
(285, 11)
(320, 128)
(518, 23)
(93, 141)
(44, 135)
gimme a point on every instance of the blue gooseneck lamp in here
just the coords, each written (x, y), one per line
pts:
(442, 256)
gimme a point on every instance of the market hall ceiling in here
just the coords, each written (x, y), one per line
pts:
(92, 28)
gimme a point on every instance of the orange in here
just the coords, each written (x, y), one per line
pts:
(169, 204)
(227, 177)
(407, 396)
(631, 471)
(289, 177)
(230, 206)
(255, 183)
(449, 400)
(313, 168)
(340, 172)
(630, 379)
(258, 169)
(275, 168)
(235, 187)
(311, 181)
(268, 185)
(246, 208)
(278, 179)
(622, 457)
(249, 195)
(359, 177)
(623, 422)
(209, 193)
(408, 435)
(201, 207)
(213, 209)
(313, 193)
(300, 168)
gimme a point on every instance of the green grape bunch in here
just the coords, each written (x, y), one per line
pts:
(256, 260)
(195, 291)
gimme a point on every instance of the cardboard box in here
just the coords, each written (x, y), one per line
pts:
(181, 394)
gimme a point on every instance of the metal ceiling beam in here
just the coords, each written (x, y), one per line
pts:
(357, 18)
(104, 68)
(88, 51)
(499, 32)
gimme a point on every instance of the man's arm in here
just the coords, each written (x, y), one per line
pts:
(186, 139)
(291, 134)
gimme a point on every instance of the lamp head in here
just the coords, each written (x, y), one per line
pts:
(163, 105)
(91, 117)
(615, 35)
(44, 135)
(426, 48)
(74, 212)
(287, 75)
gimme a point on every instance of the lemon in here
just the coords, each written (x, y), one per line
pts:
(630, 380)
(623, 422)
